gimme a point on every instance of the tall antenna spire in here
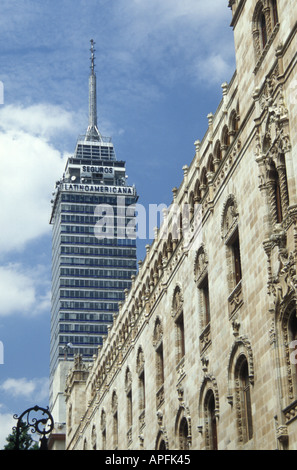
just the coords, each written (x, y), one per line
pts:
(92, 56)
(92, 132)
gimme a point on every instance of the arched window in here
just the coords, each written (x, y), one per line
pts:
(265, 25)
(103, 429)
(183, 434)
(94, 438)
(141, 387)
(212, 422)
(234, 122)
(205, 300)
(235, 247)
(178, 314)
(278, 201)
(231, 236)
(225, 137)
(204, 181)
(245, 399)
(263, 29)
(158, 345)
(201, 279)
(240, 382)
(161, 441)
(209, 412)
(160, 366)
(197, 192)
(210, 165)
(114, 407)
(162, 445)
(180, 337)
(128, 389)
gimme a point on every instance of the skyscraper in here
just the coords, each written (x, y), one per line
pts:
(93, 259)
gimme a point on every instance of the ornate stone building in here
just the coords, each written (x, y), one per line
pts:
(201, 354)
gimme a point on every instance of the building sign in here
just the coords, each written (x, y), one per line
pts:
(90, 169)
(92, 188)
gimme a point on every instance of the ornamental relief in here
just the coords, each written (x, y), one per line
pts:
(140, 361)
(201, 264)
(223, 171)
(283, 278)
(128, 380)
(158, 333)
(266, 97)
(229, 217)
(272, 143)
(290, 307)
(177, 303)
(282, 287)
(272, 136)
(286, 276)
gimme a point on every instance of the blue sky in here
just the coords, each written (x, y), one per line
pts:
(160, 65)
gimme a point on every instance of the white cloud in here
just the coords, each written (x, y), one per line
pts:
(30, 165)
(214, 69)
(23, 291)
(43, 120)
(16, 289)
(18, 387)
(34, 390)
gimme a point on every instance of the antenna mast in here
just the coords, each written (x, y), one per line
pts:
(92, 131)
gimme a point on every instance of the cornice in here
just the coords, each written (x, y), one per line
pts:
(237, 13)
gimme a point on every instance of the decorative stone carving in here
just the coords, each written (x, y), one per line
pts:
(158, 333)
(201, 264)
(128, 381)
(177, 303)
(235, 300)
(229, 217)
(140, 361)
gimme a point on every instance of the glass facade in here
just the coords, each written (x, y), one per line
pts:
(93, 255)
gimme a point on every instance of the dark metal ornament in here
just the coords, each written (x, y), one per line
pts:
(43, 426)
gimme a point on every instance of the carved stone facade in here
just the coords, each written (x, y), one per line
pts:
(201, 354)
